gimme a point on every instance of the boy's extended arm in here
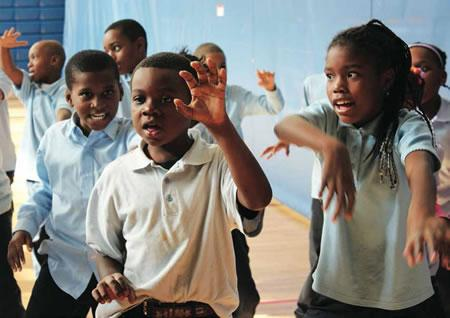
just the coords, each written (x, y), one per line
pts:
(208, 107)
(420, 226)
(8, 41)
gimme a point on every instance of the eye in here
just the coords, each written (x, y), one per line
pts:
(424, 68)
(166, 100)
(138, 100)
(116, 48)
(85, 94)
(352, 74)
(108, 93)
(329, 76)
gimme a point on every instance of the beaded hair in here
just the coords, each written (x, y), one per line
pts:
(385, 50)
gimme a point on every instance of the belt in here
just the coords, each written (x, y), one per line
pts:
(192, 309)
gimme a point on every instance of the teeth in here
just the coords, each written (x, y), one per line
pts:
(343, 103)
(98, 116)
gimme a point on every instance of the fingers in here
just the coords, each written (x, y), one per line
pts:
(201, 72)
(15, 256)
(184, 109)
(111, 287)
(268, 152)
(413, 251)
(189, 79)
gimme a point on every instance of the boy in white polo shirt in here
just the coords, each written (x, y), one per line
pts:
(160, 217)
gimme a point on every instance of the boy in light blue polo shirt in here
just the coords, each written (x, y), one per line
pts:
(41, 90)
(70, 158)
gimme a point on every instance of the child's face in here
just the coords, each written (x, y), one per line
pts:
(154, 115)
(126, 53)
(39, 63)
(218, 58)
(430, 70)
(95, 97)
(354, 87)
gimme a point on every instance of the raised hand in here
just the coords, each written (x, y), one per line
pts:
(9, 39)
(208, 95)
(113, 286)
(266, 79)
(15, 256)
(337, 177)
(270, 151)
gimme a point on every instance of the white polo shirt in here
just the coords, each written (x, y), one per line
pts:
(175, 224)
(6, 143)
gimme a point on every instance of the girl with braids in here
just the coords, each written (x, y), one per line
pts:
(428, 61)
(378, 161)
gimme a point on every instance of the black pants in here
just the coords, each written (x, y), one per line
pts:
(324, 307)
(442, 288)
(10, 298)
(307, 294)
(49, 301)
(248, 295)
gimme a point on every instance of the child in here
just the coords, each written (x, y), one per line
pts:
(367, 142)
(10, 301)
(126, 42)
(71, 156)
(429, 61)
(241, 103)
(6, 143)
(159, 242)
(41, 92)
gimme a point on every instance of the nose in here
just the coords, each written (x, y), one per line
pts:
(339, 84)
(150, 108)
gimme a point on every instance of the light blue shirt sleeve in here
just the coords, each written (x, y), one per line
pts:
(322, 116)
(35, 211)
(414, 135)
(248, 104)
(24, 91)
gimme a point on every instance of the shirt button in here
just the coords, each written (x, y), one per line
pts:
(169, 198)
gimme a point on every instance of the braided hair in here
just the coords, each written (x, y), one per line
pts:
(385, 50)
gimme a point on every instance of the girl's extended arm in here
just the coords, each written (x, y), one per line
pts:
(421, 227)
(337, 175)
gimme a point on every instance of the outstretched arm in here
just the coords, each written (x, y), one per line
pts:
(208, 107)
(422, 224)
(337, 175)
(8, 41)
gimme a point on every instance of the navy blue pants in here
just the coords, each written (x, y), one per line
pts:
(10, 298)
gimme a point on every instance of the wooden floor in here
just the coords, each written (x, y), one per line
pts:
(279, 255)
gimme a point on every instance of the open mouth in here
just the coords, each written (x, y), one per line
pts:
(151, 130)
(98, 116)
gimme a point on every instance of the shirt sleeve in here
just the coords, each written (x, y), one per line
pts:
(35, 211)
(229, 195)
(60, 99)
(414, 135)
(103, 226)
(320, 115)
(24, 91)
(5, 84)
(249, 104)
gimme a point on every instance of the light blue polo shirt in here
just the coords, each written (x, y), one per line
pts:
(124, 109)
(41, 103)
(361, 261)
(68, 165)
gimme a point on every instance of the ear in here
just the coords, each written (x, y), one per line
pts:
(444, 78)
(121, 91)
(140, 44)
(68, 96)
(54, 60)
(387, 79)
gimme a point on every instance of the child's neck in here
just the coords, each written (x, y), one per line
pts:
(167, 155)
(431, 107)
(50, 79)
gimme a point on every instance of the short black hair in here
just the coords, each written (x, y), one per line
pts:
(167, 60)
(206, 48)
(130, 28)
(90, 61)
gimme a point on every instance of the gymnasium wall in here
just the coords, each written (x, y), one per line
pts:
(286, 36)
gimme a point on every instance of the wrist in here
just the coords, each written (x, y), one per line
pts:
(271, 88)
(221, 129)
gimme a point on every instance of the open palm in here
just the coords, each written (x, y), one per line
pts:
(208, 95)
(9, 39)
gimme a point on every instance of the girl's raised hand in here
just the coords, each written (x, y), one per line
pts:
(337, 177)
(270, 151)
(9, 39)
(113, 286)
(208, 95)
